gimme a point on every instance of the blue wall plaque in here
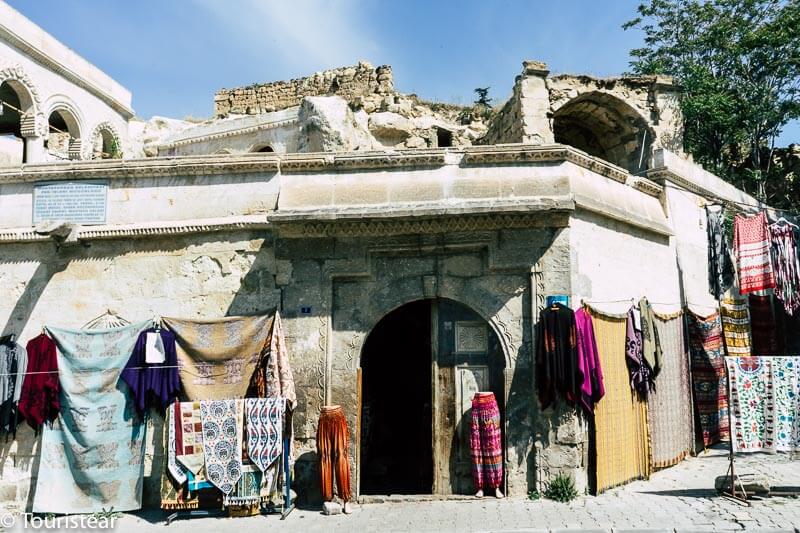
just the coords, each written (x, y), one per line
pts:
(80, 202)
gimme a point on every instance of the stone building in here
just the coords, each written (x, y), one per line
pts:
(408, 277)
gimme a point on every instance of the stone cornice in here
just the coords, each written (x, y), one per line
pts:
(228, 133)
(661, 175)
(51, 64)
(521, 153)
(647, 186)
(151, 167)
(142, 230)
(362, 161)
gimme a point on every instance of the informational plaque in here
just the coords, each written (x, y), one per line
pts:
(79, 202)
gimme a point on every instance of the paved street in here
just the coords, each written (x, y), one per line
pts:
(681, 498)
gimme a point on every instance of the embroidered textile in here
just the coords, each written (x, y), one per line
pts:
(621, 436)
(752, 246)
(13, 363)
(752, 403)
(333, 451)
(92, 456)
(155, 385)
(786, 265)
(786, 377)
(173, 422)
(591, 386)
(720, 265)
(708, 377)
(486, 442)
(669, 407)
(264, 430)
(736, 326)
(247, 490)
(189, 450)
(557, 356)
(217, 357)
(38, 402)
(640, 375)
(763, 326)
(222, 441)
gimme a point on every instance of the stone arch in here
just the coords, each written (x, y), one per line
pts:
(224, 151)
(64, 129)
(32, 122)
(262, 148)
(102, 142)
(607, 127)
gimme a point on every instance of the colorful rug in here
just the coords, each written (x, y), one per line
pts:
(222, 441)
(264, 430)
(218, 357)
(786, 377)
(91, 457)
(669, 407)
(751, 242)
(708, 377)
(736, 326)
(752, 403)
(622, 444)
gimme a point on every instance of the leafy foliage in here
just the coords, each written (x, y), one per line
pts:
(738, 63)
(561, 489)
(483, 96)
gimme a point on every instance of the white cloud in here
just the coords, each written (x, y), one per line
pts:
(304, 34)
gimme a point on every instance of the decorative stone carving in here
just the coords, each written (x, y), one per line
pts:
(471, 337)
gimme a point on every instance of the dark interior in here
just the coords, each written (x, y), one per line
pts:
(396, 417)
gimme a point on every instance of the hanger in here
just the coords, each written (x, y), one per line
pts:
(782, 220)
(105, 321)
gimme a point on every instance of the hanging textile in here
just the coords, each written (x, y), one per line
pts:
(736, 326)
(333, 451)
(786, 265)
(217, 357)
(720, 266)
(158, 384)
(763, 326)
(189, 444)
(651, 345)
(247, 490)
(669, 407)
(557, 356)
(622, 443)
(222, 441)
(752, 403)
(38, 402)
(752, 247)
(273, 378)
(175, 432)
(640, 375)
(13, 364)
(786, 377)
(591, 385)
(91, 458)
(708, 377)
(264, 430)
(486, 442)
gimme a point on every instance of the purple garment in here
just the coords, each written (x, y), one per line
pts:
(591, 386)
(634, 356)
(155, 385)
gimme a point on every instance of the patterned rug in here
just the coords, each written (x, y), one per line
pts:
(708, 377)
(669, 407)
(91, 457)
(264, 430)
(752, 403)
(621, 435)
(736, 326)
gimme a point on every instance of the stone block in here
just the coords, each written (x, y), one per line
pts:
(331, 508)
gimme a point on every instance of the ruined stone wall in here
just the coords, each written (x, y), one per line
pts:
(348, 82)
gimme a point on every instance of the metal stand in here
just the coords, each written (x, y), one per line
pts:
(731, 473)
(194, 513)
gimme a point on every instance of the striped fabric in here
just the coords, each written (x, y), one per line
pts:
(736, 326)
(622, 443)
(751, 242)
(708, 377)
(669, 407)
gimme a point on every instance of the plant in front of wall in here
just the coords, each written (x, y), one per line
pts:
(534, 495)
(561, 489)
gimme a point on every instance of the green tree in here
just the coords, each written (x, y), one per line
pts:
(483, 96)
(738, 63)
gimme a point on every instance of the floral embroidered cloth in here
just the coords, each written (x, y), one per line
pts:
(222, 441)
(92, 455)
(786, 375)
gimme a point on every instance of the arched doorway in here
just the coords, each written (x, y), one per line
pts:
(420, 366)
(605, 127)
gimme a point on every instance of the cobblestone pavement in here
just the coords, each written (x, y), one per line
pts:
(681, 498)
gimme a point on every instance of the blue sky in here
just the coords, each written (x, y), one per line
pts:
(174, 54)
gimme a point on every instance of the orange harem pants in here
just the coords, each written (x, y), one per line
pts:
(332, 446)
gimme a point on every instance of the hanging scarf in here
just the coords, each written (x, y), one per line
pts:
(222, 441)
(736, 326)
(272, 377)
(720, 266)
(39, 401)
(13, 364)
(557, 356)
(639, 371)
(177, 470)
(264, 430)
(651, 345)
(752, 244)
(786, 266)
(591, 386)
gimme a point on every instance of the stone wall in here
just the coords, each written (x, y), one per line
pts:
(348, 82)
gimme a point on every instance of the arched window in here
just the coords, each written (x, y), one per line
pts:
(14, 102)
(105, 144)
(263, 149)
(605, 127)
(64, 136)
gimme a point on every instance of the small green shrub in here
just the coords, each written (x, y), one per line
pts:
(561, 489)
(534, 495)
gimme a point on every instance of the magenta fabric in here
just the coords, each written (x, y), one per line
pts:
(591, 385)
(153, 385)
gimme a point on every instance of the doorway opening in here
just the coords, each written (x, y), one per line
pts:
(396, 424)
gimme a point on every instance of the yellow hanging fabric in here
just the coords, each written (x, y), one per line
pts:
(621, 435)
